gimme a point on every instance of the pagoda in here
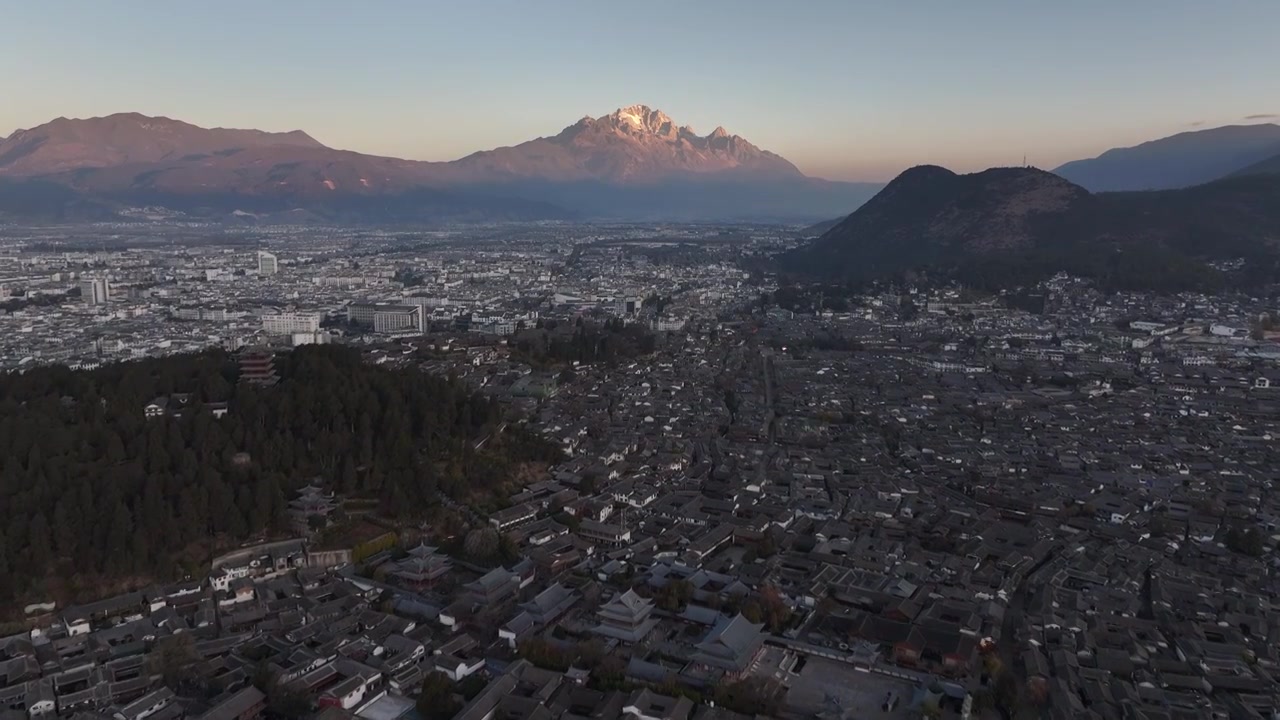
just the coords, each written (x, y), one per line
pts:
(257, 367)
(626, 618)
(312, 500)
(422, 570)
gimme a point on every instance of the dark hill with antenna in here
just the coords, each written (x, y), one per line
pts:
(1011, 226)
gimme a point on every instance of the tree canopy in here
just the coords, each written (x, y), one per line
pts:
(95, 490)
(610, 342)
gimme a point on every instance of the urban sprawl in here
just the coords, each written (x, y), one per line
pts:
(900, 502)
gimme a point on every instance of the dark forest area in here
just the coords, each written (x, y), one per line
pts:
(610, 342)
(95, 492)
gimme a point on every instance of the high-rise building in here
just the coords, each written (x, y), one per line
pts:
(289, 323)
(95, 291)
(268, 263)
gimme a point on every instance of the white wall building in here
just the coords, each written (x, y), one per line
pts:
(361, 313)
(268, 263)
(95, 291)
(394, 318)
(289, 323)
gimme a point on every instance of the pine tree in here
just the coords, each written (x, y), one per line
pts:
(8, 587)
(119, 540)
(39, 544)
(115, 449)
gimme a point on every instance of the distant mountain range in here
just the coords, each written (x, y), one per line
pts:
(1182, 160)
(632, 145)
(1009, 226)
(633, 163)
(1179, 161)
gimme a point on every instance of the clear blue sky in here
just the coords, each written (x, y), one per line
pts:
(848, 89)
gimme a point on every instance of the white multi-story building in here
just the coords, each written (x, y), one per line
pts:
(268, 263)
(669, 324)
(499, 326)
(394, 318)
(361, 313)
(95, 291)
(290, 323)
(429, 302)
(385, 318)
(309, 338)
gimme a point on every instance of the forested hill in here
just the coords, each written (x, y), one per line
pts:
(1008, 227)
(92, 491)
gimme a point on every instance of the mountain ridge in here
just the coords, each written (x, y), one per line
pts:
(123, 138)
(1270, 166)
(631, 163)
(1181, 160)
(643, 144)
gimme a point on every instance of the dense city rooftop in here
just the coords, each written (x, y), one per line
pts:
(771, 499)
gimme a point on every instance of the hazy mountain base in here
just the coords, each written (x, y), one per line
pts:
(692, 200)
(39, 200)
(695, 199)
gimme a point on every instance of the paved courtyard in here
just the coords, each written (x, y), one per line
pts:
(828, 686)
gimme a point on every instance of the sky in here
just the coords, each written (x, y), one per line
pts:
(845, 89)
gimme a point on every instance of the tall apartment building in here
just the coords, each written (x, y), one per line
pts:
(289, 323)
(95, 291)
(268, 263)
